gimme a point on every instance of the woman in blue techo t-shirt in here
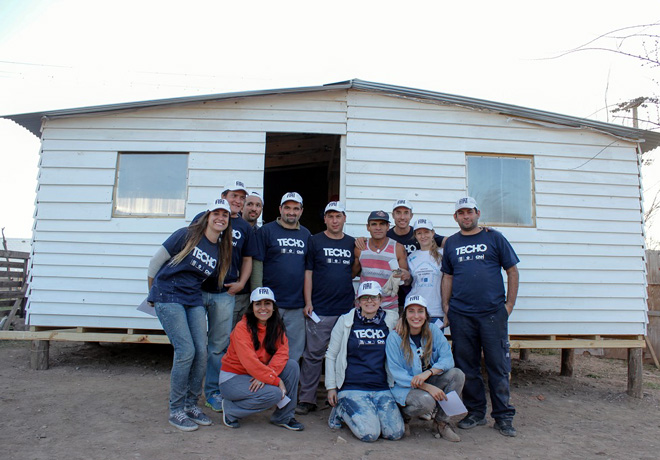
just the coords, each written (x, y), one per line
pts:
(176, 272)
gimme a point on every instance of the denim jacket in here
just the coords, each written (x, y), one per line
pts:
(402, 372)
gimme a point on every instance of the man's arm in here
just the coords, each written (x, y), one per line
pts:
(446, 285)
(246, 271)
(402, 258)
(257, 275)
(307, 293)
(512, 279)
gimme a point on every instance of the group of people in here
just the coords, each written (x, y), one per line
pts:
(279, 301)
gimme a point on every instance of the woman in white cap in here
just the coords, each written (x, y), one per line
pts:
(256, 372)
(424, 265)
(421, 363)
(175, 276)
(355, 372)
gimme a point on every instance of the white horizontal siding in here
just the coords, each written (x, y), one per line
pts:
(586, 249)
(89, 269)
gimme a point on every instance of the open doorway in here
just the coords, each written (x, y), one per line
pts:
(305, 163)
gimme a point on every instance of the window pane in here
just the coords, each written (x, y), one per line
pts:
(152, 184)
(503, 188)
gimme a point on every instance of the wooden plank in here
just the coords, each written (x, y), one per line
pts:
(651, 350)
(653, 267)
(11, 295)
(84, 337)
(6, 285)
(14, 254)
(76, 194)
(577, 343)
(9, 264)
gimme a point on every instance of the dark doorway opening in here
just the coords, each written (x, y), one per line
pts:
(305, 163)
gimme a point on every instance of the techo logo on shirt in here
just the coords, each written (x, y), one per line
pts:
(291, 242)
(204, 258)
(471, 248)
(336, 252)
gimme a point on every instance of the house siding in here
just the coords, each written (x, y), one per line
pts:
(582, 265)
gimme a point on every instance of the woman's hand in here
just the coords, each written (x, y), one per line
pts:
(435, 392)
(418, 380)
(256, 385)
(332, 397)
(399, 326)
(282, 387)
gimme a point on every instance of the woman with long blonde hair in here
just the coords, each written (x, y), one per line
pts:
(176, 272)
(422, 366)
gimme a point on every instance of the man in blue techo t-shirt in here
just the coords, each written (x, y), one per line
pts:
(329, 270)
(478, 310)
(280, 265)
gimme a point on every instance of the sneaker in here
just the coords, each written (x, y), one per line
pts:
(196, 415)
(304, 408)
(445, 430)
(470, 421)
(505, 427)
(214, 402)
(226, 420)
(292, 424)
(334, 422)
(180, 420)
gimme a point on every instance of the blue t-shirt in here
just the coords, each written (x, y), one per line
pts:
(283, 252)
(331, 262)
(365, 357)
(244, 245)
(408, 240)
(476, 262)
(182, 283)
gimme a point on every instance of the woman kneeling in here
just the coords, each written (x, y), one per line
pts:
(256, 371)
(355, 372)
(421, 363)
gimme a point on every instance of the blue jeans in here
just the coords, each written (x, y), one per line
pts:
(239, 401)
(185, 326)
(294, 321)
(370, 414)
(220, 309)
(470, 335)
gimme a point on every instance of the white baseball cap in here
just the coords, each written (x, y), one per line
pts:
(369, 288)
(402, 204)
(415, 300)
(220, 203)
(253, 193)
(423, 223)
(291, 196)
(336, 206)
(236, 185)
(262, 293)
(466, 202)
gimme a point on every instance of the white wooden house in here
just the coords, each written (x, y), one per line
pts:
(116, 180)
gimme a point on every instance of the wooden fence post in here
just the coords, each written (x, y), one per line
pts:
(567, 360)
(39, 354)
(635, 372)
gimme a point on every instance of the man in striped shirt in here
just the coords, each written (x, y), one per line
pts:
(376, 259)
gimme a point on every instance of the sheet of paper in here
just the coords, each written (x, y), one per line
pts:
(283, 402)
(314, 317)
(144, 307)
(439, 322)
(453, 405)
(394, 264)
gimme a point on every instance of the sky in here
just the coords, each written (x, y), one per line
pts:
(57, 54)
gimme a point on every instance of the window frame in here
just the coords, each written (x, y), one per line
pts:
(115, 187)
(532, 178)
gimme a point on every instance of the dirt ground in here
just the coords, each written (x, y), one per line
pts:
(109, 401)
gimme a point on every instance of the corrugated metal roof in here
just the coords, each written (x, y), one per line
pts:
(648, 139)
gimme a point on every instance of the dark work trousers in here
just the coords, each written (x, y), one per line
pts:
(470, 335)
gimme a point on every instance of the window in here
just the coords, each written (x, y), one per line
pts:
(503, 187)
(151, 184)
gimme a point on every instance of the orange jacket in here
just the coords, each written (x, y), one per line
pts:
(242, 358)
